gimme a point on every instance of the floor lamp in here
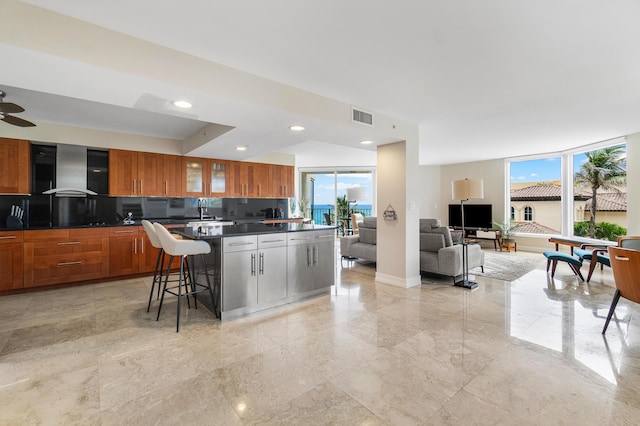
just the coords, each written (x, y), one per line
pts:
(464, 190)
(354, 194)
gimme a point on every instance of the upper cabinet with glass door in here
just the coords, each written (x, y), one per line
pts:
(204, 177)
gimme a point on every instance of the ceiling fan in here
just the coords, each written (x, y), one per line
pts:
(7, 108)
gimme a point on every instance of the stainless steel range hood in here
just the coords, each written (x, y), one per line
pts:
(71, 172)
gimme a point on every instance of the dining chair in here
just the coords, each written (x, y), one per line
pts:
(629, 241)
(355, 219)
(625, 264)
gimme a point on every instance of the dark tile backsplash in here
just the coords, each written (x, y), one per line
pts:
(50, 211)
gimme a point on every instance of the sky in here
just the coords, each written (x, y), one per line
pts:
(324, 186)
(545, 169)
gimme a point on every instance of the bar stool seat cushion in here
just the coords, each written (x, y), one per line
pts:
(176, 247)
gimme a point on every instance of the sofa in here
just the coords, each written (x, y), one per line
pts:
(440, 255)
(362, 245)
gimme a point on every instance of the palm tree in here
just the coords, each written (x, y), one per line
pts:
(604, 168)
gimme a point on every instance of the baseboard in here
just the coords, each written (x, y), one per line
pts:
(398, 281)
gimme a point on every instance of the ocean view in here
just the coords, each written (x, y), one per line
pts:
(318, 211)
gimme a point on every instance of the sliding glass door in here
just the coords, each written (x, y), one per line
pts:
(324, 195)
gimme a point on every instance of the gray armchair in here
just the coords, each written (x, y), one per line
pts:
(439, 254)
(362, 245)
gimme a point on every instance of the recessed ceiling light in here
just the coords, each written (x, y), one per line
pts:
(367, 142)
(241, 148)
(182, 104)
(296, 128)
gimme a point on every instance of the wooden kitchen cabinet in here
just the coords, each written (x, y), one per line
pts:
(123, 172)
(144, 174)
(15, 166)
(282, 178)
(130, 251)
(170, 176)
(204, 177)
(250, 180)
(11, 260)
(65, 255)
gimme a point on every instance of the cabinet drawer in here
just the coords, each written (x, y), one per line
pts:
(47, 235)
(61, 268)
(11, 237)
(272, 240)
(54, 262)
(324, 235)
(242, 243)
(298, 238)
(123, 231)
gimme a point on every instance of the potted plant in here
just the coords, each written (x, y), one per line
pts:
(507, 231)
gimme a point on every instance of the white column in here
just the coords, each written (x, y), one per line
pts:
(633, 179)
(398, 259)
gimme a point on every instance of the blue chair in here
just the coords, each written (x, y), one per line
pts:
(588, 251)
(553, 257)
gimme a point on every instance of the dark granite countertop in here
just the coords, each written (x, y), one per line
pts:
(211, 232)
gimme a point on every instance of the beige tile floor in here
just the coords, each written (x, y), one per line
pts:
(527, 352)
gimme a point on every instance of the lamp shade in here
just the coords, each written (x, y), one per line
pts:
(355, 193)
(467, 188)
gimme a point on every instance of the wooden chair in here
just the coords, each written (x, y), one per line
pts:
(355, 218)
(625, 264)
(629, 241)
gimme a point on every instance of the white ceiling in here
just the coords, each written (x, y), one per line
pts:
(482, 80)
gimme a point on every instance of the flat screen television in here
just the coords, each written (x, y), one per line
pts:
(475, 216)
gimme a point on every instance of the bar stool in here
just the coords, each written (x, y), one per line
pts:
(183, 248)
(157, 272)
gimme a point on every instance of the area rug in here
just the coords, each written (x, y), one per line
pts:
(506, 266)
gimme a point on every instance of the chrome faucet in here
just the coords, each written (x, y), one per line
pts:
(202, 209)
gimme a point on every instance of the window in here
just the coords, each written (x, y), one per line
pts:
(535, 184)
(601, 171)
(561, 187)
(324, 194)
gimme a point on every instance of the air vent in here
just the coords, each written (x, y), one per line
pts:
(362, 117)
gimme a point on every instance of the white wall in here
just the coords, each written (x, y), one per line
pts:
(430, 187)
(633, 184)
(492, 173)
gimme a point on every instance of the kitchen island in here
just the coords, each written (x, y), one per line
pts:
(258, 266)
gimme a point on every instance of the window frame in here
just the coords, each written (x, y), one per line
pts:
(566, 166)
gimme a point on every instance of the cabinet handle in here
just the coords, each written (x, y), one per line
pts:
(300, 239)
(325, 236)
(166, 187)
(69, 243)
(241, 244)
(315, 255)
(124, 232)
(142, 245)
(272, 241)
(308, 256)
(140, 186)
(78, 262)
(262, 263)
(253, 263)
(10, 237)
(135, 246)
(135, 185)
